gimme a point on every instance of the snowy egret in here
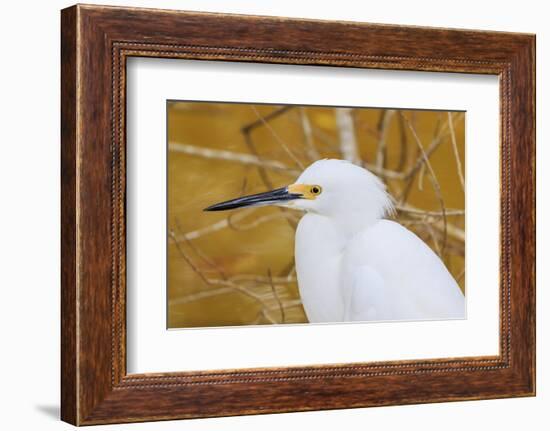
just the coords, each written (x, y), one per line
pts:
(352, 264)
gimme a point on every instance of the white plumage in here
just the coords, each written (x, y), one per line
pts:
(353, 264)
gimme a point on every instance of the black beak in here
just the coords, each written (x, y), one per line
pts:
(267, 198)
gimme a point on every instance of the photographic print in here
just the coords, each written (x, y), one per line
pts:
(285, 214)
(240, 207)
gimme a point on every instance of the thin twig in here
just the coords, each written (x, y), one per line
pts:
(263, 121)
(323, 138)
(439, 134)
(275, 295)
(430, 230)
(267, 316)
(455, 149)
(382, 128)
(435, 183)
(266, 119)
(203, 294)
(187, 259)
(403, 144)
(460, 275)
(210, 281)
(278, 139)
(219, 225)
(415, 211)
(259, 279)
(264, 219)
(200, 253)
(274, 289)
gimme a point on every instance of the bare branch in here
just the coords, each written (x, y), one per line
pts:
(203, 294)
(210, 281)
(460, 275)
(275, 294)
(415, 211)
(187, 259)
(455, 149)
(403, 144)
(453, 232)
(274, 289)
(382, 128)
(219, 225)
(252, 147)
(267, 316)
(323, 138)
(259, 279)
(438, 139)
(266, 119)
(230, 156)
(435, 183)
(346, 130)
(264, 219)
(278, 139)
(430, 230)
(311, 150)
(200, 253)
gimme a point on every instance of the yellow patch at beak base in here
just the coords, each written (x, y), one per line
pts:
(307, 191)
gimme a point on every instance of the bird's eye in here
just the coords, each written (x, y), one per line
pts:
(315, 190)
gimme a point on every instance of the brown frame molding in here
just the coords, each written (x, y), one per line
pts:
(95, 43)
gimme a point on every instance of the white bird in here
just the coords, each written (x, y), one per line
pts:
(352, 264)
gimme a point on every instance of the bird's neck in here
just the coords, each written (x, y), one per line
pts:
(351, 223)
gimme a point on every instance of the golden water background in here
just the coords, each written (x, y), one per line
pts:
(236, 268)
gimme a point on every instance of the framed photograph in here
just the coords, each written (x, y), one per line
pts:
(265, 215)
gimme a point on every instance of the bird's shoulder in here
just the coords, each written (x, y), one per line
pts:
(393, 264)
(388, 229)
(384, 232)
(387, 240)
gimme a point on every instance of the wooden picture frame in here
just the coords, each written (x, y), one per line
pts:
(95, 43)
